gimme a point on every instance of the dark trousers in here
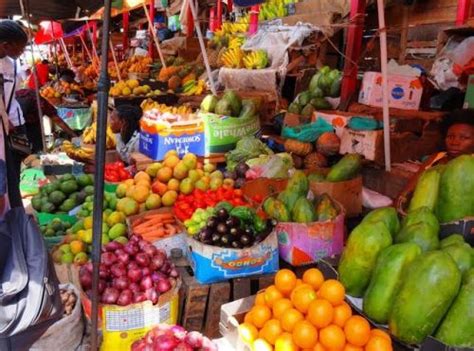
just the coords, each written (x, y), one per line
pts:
(13, 162)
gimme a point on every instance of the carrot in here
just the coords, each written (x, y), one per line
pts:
(137, 221)
(158, 215)
(154, 233)
(144, 230)
(148, 223)
(170, 229)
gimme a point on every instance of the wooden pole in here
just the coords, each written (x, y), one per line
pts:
(404, 35)
(115, 59)
(151, 25)
(153, 34)
(126, 21)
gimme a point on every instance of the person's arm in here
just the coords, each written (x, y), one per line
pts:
(63, 125)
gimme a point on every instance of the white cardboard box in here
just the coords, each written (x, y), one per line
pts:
(404, 91)
(368, 143)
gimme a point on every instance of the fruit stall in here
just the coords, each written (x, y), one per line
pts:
(260, 201)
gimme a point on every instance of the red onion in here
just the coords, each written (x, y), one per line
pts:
(125, 298)
(146, 271)
(122, 256)
(108, 258)
(157, 276)
(113, 246)
(135, 274)
(194, 339)
(135, 238)
(150, 250)
(130, 248)
(142, 244)
(146, 283)
(103, 272)
(88, 266)
(132, 265)
(134, 287)
(110, 296)
(139, 297)
(178, 331)
(165, 343)
(118, 270)
(102, 286)
(163, 286)
(166, 267)
(85, 278)
(152, 295)
(158, 261)
(139, 345)
(174, 273)
(208, 345)
(142, 259)
(121, 283)
(182, 346)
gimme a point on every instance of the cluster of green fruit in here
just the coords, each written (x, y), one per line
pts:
(110, 203)
(77, 243)
(325, 83)
(198, 220)
(230, 104)
(64, 194)
(55, 228)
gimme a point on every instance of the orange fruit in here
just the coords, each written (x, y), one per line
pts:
(285, 281)
(298, 282)
(247, 332)
(261, 345)
(380, 332)
(341, 314)
(378, 343)
(319, 347)
(285, 343)
(333, 291)
(271, 295)
(248, 318)
(320, 313)
(313, 277)
(271, 331)
(350, 347)
(357, 330)
(260, 314)
(302, 297)
(305, 335)
(280, 306)
(289, 318)
(332, 337)
(260, 299)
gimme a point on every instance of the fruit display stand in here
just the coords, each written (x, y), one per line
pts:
(167, 98)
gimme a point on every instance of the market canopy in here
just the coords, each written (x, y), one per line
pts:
(119, 7)
(48, 32)
(50, 9)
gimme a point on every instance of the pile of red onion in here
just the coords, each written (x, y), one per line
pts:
(173, 338)
(130, 273)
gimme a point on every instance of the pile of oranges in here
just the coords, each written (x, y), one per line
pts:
(308, 314)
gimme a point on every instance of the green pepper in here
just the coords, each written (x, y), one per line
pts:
(245, 214)
(223, 204)
(259, 224)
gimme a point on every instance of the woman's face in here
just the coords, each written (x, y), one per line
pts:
(116, 123)
(460, 139)
(13, 50)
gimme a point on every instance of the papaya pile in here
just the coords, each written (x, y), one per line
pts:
(230, 104)
(292, 205)
(325, 83)
(448, 190)
(409, 279)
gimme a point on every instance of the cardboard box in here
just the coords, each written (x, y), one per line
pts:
(469, 97)
(368, 143)
(404, 91)
(183, 139)
(212, 264)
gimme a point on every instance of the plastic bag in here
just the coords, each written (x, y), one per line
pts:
(363, 123)
(273, 166)
(307, 132)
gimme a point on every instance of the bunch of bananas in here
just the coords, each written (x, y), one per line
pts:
(256, 59)
(236, 42)
(88, 136)
(193, 87)
(272, 9)
(78, 153)
(232, 58)
(149, 104)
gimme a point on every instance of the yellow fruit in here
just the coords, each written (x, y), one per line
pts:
(126, 91)
(173, 184)
(169, 198)
(165, 174)
(153, 202)
(121, 190)
(130, 191)
(132, 83)
(77, 246)
(88, 222)
(142, 176)
(171, 161)
(141, 193)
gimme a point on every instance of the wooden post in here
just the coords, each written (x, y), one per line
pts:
(189, 22)
(404, 35)
(464, 11)
(152, 27)
(353, 49)
(219, 15)
(125, 18)
(253, 26)
(115, 60)
(153, 34)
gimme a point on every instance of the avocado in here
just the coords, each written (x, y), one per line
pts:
(249, 109)
(67, 177)
(57, 197)
(68, 205)
(36, 202)
(47, 208)
(304, 97)
(84, 180)
(235, 102)
(89, 190)
(68, 187)
(49, 188)
(320, 104)
(223, 107)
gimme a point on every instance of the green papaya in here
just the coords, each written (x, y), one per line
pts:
(358, 258)
(456, 329)
(294, 108)
(335, 89)
(345, 169)
(303, 212)
(387, 215)
(386, 280)
(277, 210)
(452, 240)
(420, 227)
(428, 289)
(422, 214)
(313, 84)
(316, 177)
(426, 191)
(234, 101)
(320, 103)
(316, 93)
(456, 190)
(298, 183)
(461, 254)
(325, 209)
(288, 198)
(303, 98)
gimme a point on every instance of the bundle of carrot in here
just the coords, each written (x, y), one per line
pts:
(154, 226)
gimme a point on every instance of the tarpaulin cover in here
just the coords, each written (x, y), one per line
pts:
(50, 9)
(48, 31)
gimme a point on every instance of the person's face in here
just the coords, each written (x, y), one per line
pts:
(13, 50)
(116, 123)
(460, 139)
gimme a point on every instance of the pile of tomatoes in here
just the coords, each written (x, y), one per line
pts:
(185, 205)
(116, 172)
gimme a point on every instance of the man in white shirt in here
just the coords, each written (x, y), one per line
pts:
(13, 40)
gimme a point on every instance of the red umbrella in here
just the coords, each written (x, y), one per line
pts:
(48, 31)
